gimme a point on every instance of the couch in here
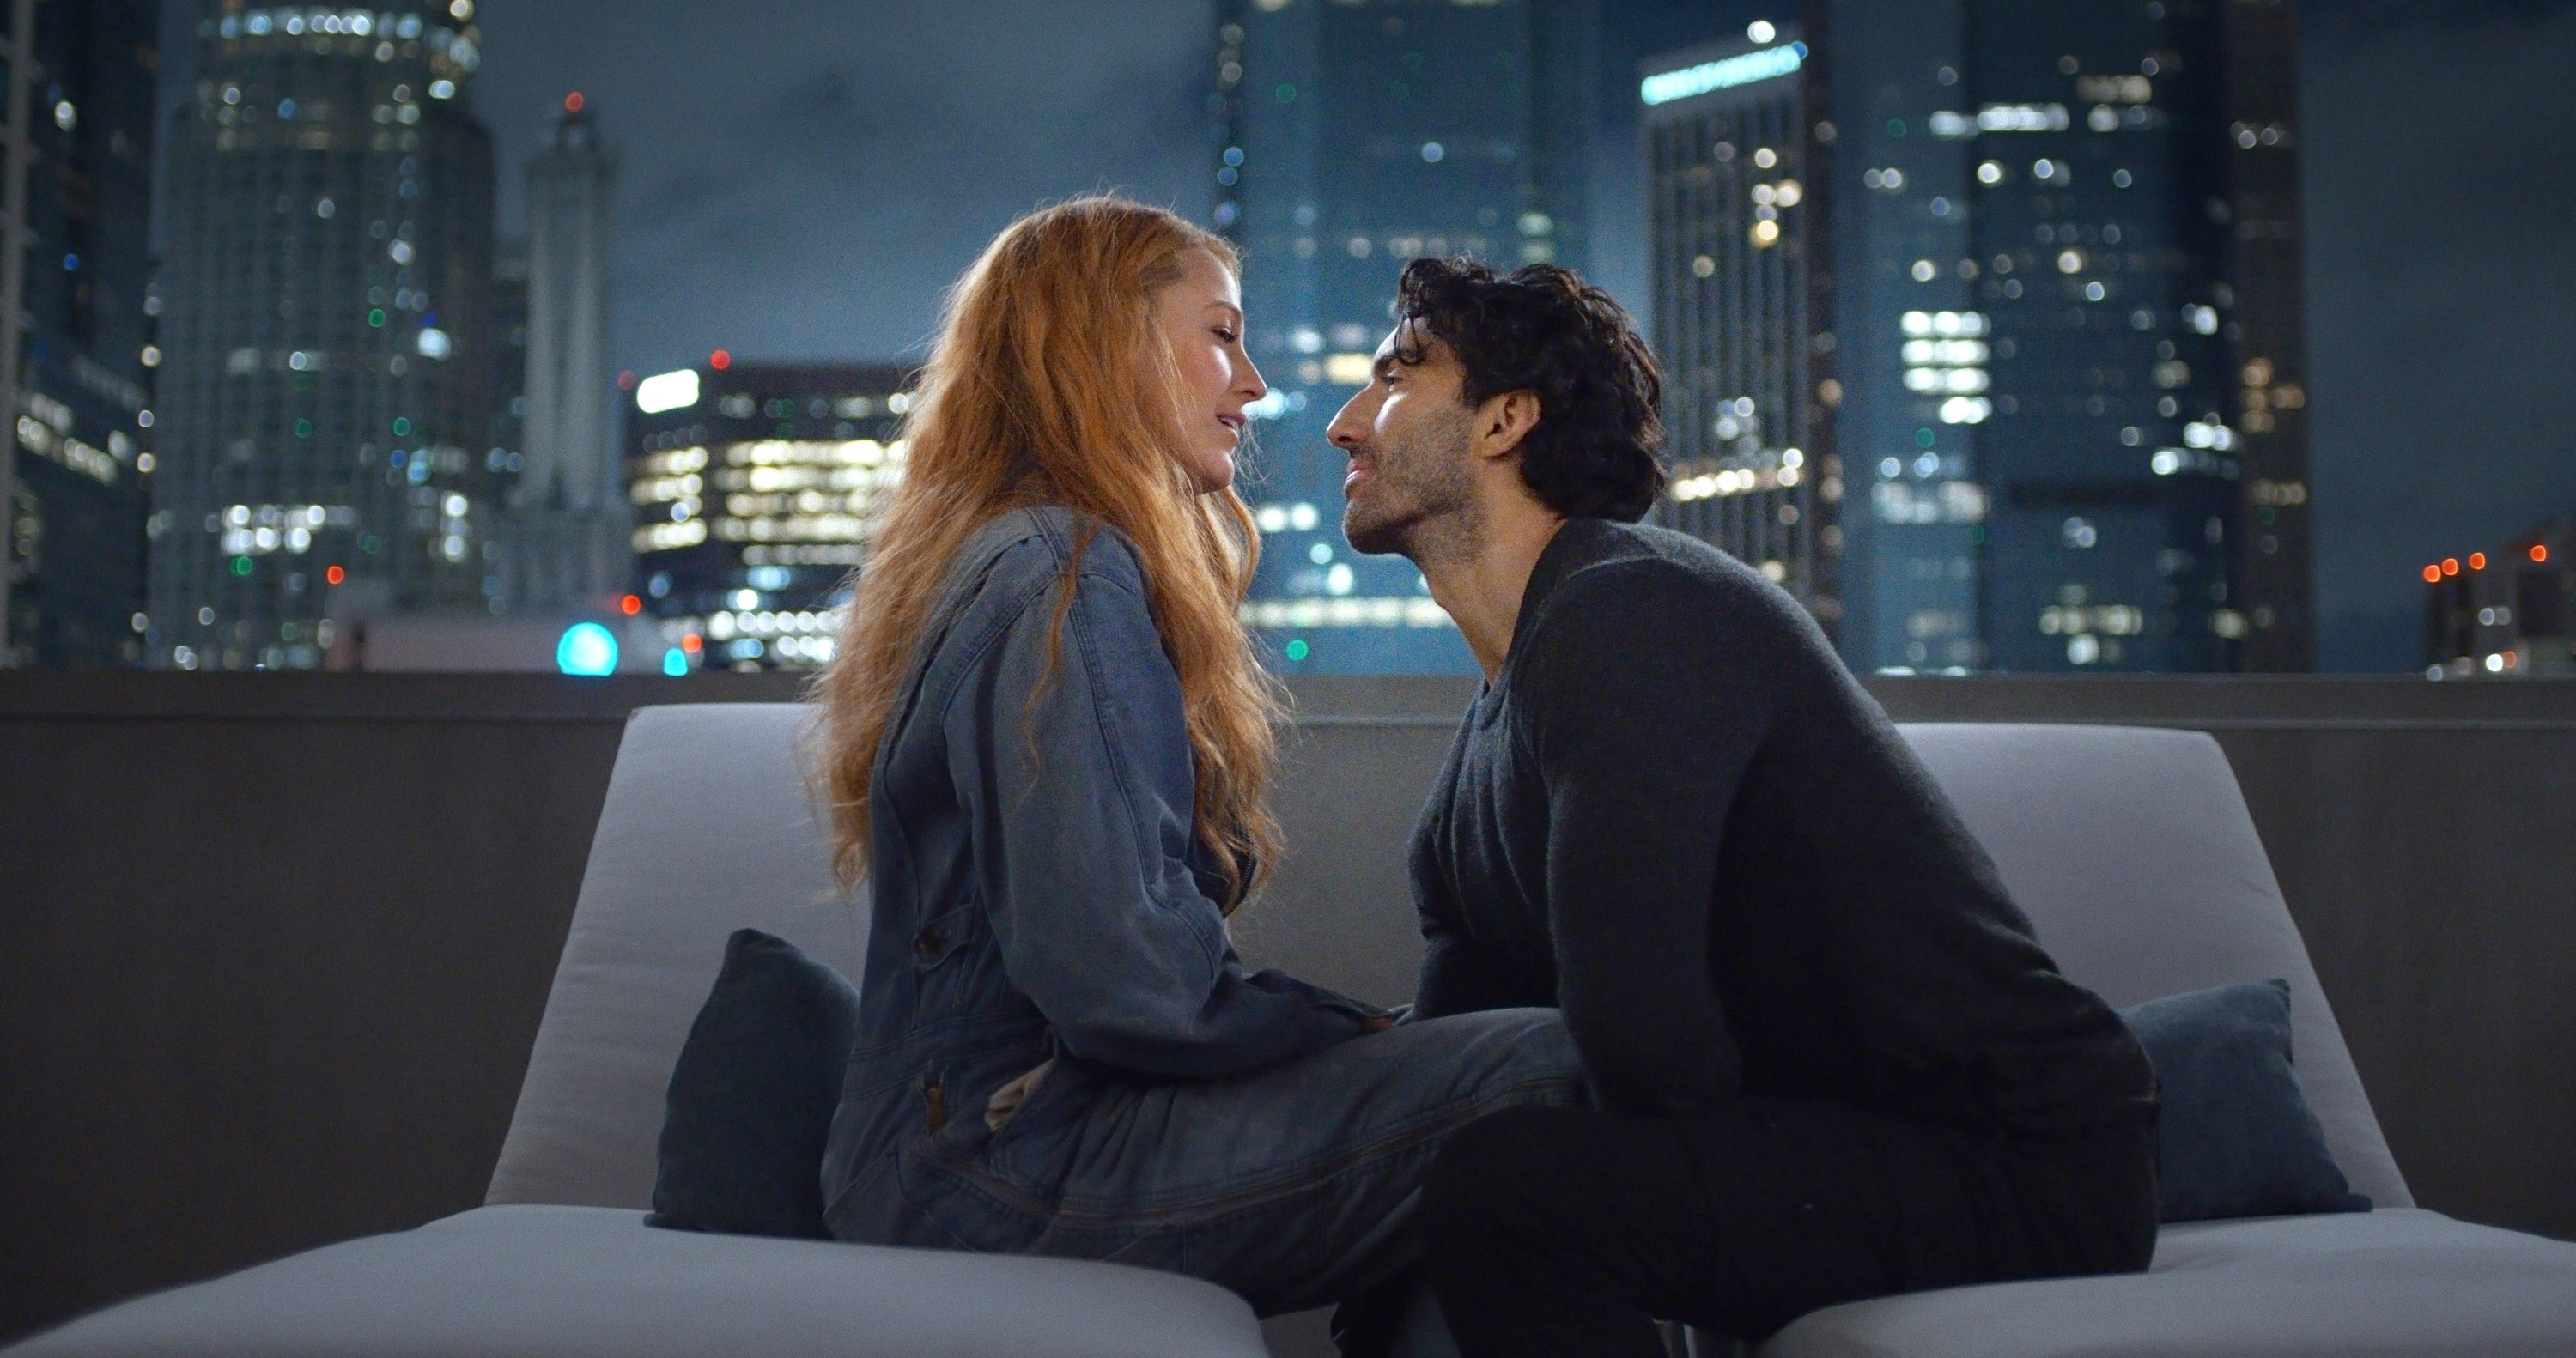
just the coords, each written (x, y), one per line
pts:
(2130, 848)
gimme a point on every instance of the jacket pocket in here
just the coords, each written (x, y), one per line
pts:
(943, 935)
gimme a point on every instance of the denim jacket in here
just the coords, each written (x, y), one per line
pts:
(1039, 894)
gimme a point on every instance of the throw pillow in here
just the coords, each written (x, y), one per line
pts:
(752, 1096)
(2237, 1135)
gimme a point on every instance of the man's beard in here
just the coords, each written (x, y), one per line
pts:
(1420, 495)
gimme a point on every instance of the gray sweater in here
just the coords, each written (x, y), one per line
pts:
(1676, 816)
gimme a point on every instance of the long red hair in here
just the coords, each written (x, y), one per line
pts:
(1033, 395)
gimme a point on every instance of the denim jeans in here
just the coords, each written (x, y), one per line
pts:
(1295, 1185)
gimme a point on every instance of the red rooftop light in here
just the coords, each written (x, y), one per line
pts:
(573, 102)
(2432, 575)
(2540, 551)
(720, 360)
(2477, 561)
(630, 605)
(335, 575)
(2450, 565)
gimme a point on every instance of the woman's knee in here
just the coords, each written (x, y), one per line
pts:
(1523, 1055)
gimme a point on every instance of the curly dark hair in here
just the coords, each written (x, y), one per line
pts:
(1597, 449)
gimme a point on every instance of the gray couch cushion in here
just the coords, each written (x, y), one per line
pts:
(706, 830)
(2134, 854)
(582, 1282)
(2399, 1282)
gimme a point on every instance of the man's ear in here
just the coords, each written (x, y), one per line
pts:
(1504, 420)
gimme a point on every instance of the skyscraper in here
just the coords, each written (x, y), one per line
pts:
(325, 391)
(756, 488)
(568, 523)
(78, 377)
(1351, 139)
(1737, 190)
(2059, 332)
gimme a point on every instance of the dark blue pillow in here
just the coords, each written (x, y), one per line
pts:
(2237, 1135)
(752, 1096)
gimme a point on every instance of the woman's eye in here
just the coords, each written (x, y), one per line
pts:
(1226, 335)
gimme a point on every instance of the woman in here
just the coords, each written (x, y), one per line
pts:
(1047, 748)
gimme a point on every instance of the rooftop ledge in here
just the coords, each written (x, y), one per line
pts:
(2163, 700)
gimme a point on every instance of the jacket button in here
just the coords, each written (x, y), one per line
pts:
(930, 942)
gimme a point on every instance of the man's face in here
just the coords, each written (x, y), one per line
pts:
(1409, 437)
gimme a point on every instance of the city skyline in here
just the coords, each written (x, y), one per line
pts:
(2025, 280)
(2401, 484)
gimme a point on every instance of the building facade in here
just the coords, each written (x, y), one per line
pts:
(74, 490)
(755, 488)
(568, 523)
(326, 387)
(1738, 192)
(2056, 332)
(1350, 139)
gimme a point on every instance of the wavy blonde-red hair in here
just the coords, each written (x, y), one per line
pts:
(1041, 389)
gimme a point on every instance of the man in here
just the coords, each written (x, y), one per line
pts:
(1830, 1062)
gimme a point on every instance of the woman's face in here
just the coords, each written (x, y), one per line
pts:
(1200, 316)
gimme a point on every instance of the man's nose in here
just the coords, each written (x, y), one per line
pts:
(1348, 430)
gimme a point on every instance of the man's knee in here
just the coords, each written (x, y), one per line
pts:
(1491, 1179)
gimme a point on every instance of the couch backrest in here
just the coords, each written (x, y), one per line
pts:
(2130, 848)
(2137, 861)
(706, 830)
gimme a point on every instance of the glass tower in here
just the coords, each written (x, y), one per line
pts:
(80, 415)
(1737, 187)
(326, 442)
(2056, 330)
(1350, 139)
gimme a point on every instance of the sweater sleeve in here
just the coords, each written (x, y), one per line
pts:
(1641, 711)
(1077, 768)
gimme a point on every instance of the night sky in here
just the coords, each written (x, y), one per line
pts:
(802, 177)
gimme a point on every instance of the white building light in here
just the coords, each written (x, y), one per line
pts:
(667, 391)
(2023, 118)
(1726, 74)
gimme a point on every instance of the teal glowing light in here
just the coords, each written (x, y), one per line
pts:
(675, 662)
(1723, 75)
(1297, 648)
(586, 649)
